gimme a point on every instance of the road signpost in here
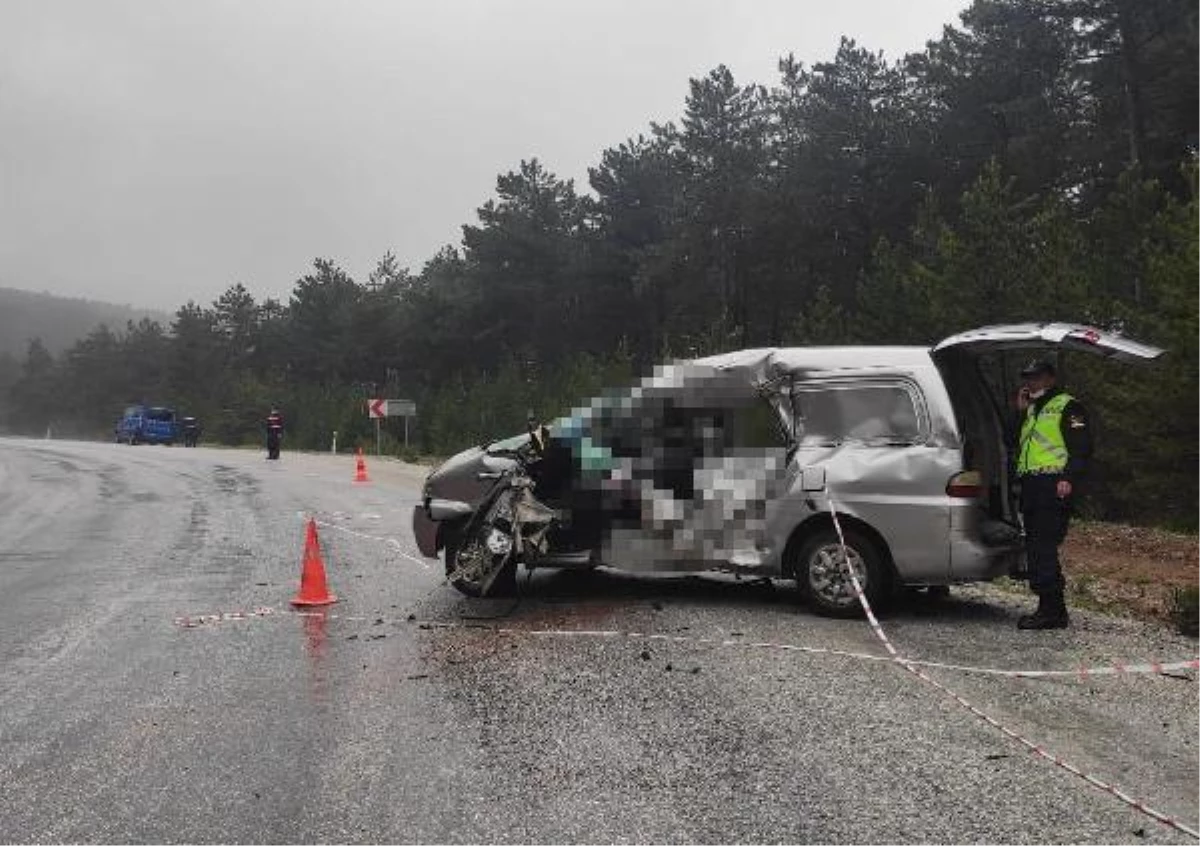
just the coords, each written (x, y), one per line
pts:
(377, 409)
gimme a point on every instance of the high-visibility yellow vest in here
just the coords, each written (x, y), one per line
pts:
(1042, 448)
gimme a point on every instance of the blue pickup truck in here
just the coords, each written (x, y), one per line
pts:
(145, 424)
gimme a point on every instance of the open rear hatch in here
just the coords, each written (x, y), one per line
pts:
(980, 368)
(1070, 337)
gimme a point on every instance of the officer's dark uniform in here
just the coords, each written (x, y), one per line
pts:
(274, 433)
(1046, 515)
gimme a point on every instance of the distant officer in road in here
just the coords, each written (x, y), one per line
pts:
(274, 433)
(1053, 451)
(191, 431)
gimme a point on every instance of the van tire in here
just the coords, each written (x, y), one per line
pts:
(821, 577)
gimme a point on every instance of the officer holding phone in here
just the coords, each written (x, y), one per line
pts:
(1053, 452)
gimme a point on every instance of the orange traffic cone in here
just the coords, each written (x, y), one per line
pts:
(313, 590)
(360, 472)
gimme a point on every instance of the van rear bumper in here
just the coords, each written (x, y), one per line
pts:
(973, 561)
(982, 549)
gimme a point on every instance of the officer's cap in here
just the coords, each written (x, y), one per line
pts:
(1037, 367)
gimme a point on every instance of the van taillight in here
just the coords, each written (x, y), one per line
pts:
(967, 485)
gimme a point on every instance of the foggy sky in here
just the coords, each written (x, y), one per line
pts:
(154, 152)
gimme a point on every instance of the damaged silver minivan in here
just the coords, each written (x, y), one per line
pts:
(735, 462)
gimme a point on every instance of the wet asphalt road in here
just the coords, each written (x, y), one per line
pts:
(363, 725)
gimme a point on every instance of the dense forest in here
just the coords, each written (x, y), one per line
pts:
(1036, 162)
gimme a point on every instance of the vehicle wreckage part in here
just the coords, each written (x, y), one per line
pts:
(498, 542)
(443, 510)
(475, 571)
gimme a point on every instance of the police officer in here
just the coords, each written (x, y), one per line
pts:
(274, 433)
(1053, 451)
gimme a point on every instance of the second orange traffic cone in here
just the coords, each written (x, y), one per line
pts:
(360, 472)
(313, 589)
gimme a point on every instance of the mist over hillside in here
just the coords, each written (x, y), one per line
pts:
(59, 321)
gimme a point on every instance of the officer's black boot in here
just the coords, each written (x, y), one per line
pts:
(1029, 621)
(1051, 614)
(1060, 611)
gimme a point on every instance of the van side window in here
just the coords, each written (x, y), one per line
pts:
(870, 413)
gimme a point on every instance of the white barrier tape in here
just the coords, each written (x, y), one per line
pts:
(1148, 668)
(228, 616)
(1041, 752)
(1037, 749)
(1158, 668)
(392, 542)
(875, 627)
(223, 617)
(1152, 668)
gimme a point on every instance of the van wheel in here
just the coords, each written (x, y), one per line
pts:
(821, 576)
